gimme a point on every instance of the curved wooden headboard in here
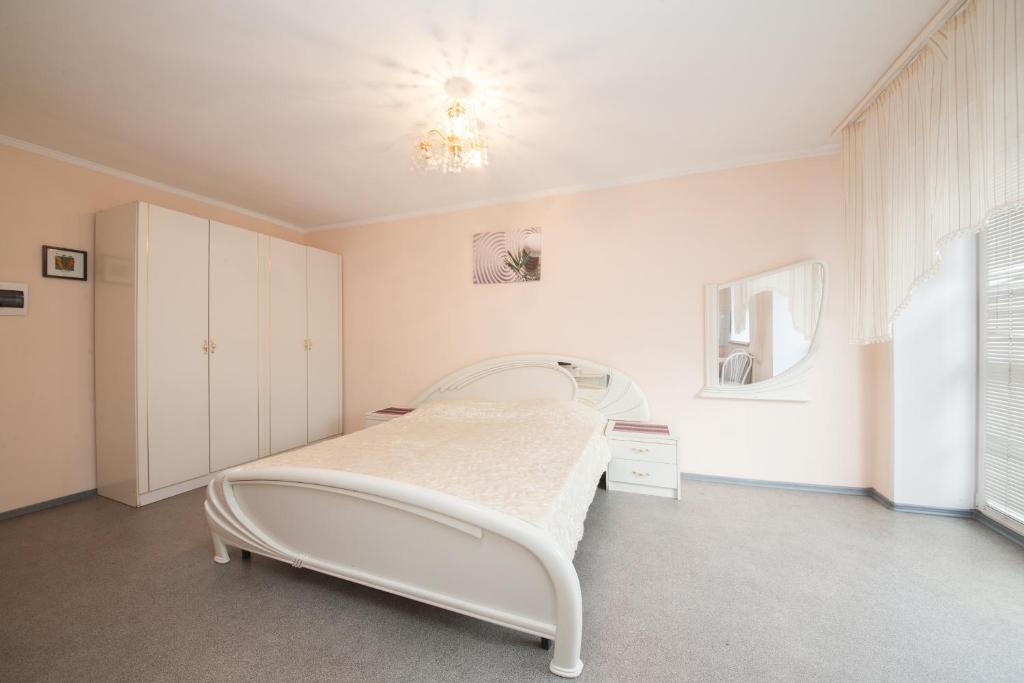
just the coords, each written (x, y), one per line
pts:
(512, 378)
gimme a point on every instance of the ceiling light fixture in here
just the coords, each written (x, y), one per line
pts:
(460, 145)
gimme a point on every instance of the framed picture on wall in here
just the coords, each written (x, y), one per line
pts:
(512, 256)
(69, 264)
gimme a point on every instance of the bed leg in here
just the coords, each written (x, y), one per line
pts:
(545, 644)
(565, 660)
(220, 550)
(246, 555)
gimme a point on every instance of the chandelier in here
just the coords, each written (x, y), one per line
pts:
(460, 145)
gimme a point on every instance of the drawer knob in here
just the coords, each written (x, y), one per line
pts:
(641, 474)
(637, 449)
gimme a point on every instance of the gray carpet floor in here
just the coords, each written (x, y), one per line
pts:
(732, 584)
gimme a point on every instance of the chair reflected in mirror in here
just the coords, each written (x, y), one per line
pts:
(762, 331)
(736, 369)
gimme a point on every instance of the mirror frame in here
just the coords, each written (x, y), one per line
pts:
(787, 386)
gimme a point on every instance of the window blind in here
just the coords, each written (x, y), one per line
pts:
(1001, 466)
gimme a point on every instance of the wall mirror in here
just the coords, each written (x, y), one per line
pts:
(762, 333)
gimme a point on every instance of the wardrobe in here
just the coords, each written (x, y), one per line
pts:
(215, 346)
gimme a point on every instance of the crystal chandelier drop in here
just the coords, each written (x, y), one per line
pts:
(460, 145)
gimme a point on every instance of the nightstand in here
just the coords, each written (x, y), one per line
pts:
(645, 459)
(383, 415)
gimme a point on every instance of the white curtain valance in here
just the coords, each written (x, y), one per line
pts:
(934, 157)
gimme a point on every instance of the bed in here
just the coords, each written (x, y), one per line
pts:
(474, 502)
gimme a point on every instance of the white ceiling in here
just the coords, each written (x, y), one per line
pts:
(307, 111)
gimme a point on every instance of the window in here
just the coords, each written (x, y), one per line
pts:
(1001, 409)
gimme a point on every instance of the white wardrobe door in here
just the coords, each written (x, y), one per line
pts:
(323, 291)
(234, 392)
(287, 345)
(263, 337)
(176, 333)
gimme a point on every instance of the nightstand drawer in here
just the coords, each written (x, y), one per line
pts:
(640, 450)
(641, 472)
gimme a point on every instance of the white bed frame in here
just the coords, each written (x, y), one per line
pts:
(420, 543)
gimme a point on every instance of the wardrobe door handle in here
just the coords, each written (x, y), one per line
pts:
(213, 346)
(206, 346)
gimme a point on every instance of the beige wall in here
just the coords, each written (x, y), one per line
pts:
(878, 411)
(623, 277)
(46, 358)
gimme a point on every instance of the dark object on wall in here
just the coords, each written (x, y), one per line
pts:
(13, 298)
(10, 298)
(69, 264)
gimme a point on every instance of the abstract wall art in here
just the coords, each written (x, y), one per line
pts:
(511, 256)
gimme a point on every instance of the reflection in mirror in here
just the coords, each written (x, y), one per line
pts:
(761, 327)
(766, 323)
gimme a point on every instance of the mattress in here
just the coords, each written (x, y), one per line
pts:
(537, 460)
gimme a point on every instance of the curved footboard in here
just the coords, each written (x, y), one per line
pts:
(406, 540)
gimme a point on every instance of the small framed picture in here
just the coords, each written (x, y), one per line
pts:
(70, 264)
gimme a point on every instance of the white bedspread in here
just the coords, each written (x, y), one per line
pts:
(539, 460)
